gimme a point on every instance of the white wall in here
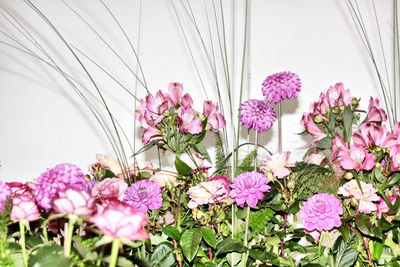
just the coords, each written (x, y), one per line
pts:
(43, 122)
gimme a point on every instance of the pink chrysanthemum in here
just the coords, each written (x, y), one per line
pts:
(144, 195)
(249, 187)
(281, 86)
(59, 178)
(321, 212)
(257, 115)
(5, 194)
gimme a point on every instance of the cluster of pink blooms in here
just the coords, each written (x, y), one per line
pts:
(154, 109)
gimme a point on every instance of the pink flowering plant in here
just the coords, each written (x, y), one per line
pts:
(337, 207)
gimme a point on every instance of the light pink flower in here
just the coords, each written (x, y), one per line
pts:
(338, 96)
(150, 134)
(113, 188)
(371, 135)
(24, 208)
(314, 234)
(316, 158)
(207, 193)
(358, 159)
(155, 107)
(383, 206)
(365, 198)
(308, 123)
(175, 93)
(395, 158)
(167, 176)
(109, 162)
(375, 113)
(190, 121)
(278, 164)
(217, 121)
(77, 202)
(120, 220)
(209, 107)
(224, 179)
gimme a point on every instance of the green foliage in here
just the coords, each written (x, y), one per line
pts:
(259, 219)
(220, 160)
(344, 254)
(5, 249)
(247, 163)
(311, 179)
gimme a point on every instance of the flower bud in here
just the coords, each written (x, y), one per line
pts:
(348, 175)
(318, 119)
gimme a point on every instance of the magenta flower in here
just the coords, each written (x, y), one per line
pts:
(281, 86)
(5, 195)
(207, 193)
(190, 121)
(72, 201)
(337, 96)
(383, 206)
(18, 188)
(358, 159)
(365, 198)
(371, 135)
(321, 212)
(113, 188)
(59, 178)
(395, 158)
(24, 208)
(257, 115)
(215, 120)
(119, 220)
(249, 187)
(144, 195)
(278, 164)
(308, 123)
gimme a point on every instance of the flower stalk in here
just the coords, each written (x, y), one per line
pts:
(69, 229)
(22, 241)
(114, 252)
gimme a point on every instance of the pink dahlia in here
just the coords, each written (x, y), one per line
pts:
(257, 115)
(321, 212)
(281, 86)
(119, 220)
(365, 198)
(5, 194)
(249, 187)
(59, 178)
(144, 195)
(24, 208)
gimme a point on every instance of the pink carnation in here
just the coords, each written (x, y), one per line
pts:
(365, 198)
(24, 208)
(75, 202)
(321, 212)
(110, 188)
(249, 187)
(207, 193)
(281, 86)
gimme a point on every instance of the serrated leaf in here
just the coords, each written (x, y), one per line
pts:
(163, 255)
(230, 245)
(209, 236)
(32, 241)
(172, 232)
(182, 167)
(344, 229)
(363, 223)
(190, 241)
(345, 255)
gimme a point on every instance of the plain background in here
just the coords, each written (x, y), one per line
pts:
(43, 122)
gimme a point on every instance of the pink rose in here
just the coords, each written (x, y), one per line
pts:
(110, 188)
(207, 192)
(24, 208)
(120, 220)
(162, 178)
(72, 201)
(365, 198)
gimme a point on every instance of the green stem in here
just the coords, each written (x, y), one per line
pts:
(22, 241)
(114, 252)
(319, 249)
(244, 256)
(329, 247)
(69, 227)
(44, 231)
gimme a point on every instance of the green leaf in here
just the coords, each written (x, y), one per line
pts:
(172, 232)
(257, 254)
(345, 255)
(394, 179)
(379, 176)
(200, 148)
(182, 167)
(209, 236)
(48, 256)
(103, 241)
(378, 247)
(230, 245)
(156, 239)
(121, 262)
(294, 246)
(347, 123)
(345, 231)
(325, 143)
(364, 224)
(163, 255)
(190, 241)
(32, 241)
(294, 208)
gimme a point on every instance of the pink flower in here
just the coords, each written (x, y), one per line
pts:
(358, 159)
(75, 202)
(207, 193)
(224, 179)
(281, 86)
(190, 121)
(278, 164)
(395, 158)
(321, 212)
(375, 113)
(365, 198)
(308, 123)
(371, 135)
(144, 195)
(383, 206)
(110, 188)
(249, 187)
(314, 234)
(257, 115)
(337, 96)
(167, 176)
(109, 162)
(175, 93)
(209, 108)
(217, 121)
(119, 220)
(150, 134)
(316, 158)
(24, 208)
(18, 188)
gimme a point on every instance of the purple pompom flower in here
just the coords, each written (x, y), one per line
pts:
(257, 115)
(5, 194)
(59, 178)
(144, 195)
(281, 86)
(249, 187)
(321, 212)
